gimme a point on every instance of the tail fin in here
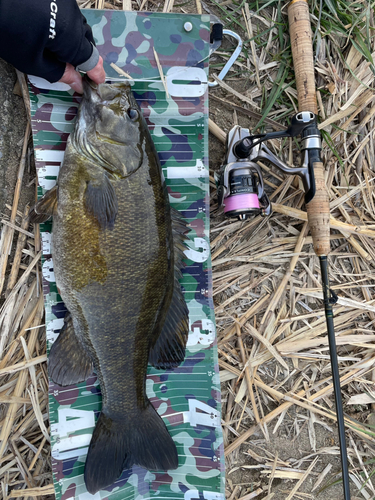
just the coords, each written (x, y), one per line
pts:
(119, 444)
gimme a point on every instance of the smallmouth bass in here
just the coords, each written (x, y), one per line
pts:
(117, 252)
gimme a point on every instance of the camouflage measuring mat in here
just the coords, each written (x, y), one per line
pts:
(188, 397)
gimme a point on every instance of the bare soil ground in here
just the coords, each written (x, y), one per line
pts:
(12, 131)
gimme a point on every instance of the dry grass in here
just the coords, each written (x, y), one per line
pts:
(267, 288)
(272, 340)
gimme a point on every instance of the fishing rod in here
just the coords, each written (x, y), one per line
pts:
(318, 208)
(241, 192)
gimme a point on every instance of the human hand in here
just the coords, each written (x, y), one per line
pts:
(74, 79)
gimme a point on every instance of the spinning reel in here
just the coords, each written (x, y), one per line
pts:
(240, 183)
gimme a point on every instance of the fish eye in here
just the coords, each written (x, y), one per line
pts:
(133, 114)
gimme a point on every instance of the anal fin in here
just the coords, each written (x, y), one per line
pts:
(68, 362)
(169, 349)
(44, 208)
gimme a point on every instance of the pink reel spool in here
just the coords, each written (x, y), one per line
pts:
(246, 201)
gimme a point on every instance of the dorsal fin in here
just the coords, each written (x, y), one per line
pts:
(179, 231)
(169, 349)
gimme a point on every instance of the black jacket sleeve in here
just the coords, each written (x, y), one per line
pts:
(40, 36)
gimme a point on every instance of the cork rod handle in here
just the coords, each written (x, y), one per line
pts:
(303, 61)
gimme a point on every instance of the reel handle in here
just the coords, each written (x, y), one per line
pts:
(318, 213)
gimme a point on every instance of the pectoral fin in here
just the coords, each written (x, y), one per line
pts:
(68, 362)
(101, 201)
(44, 208)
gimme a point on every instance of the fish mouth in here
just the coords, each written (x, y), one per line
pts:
(117, 96)
(109, 140)
(89, 87)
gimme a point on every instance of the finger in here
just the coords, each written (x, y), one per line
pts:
(72, 78)
(97, 74)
